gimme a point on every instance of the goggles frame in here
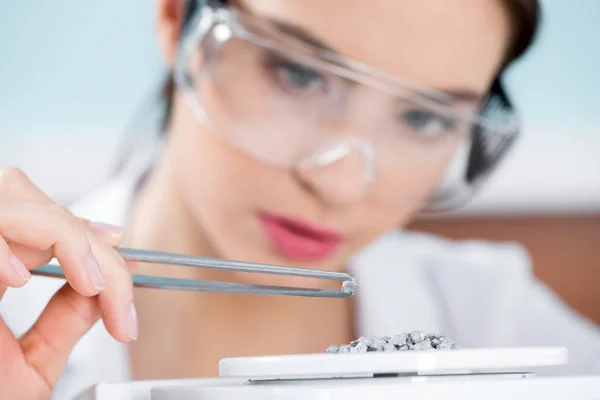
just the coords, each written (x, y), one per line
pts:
(489, 141)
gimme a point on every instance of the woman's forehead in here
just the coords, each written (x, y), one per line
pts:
(442, 44)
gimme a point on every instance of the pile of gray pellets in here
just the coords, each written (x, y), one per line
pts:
(415, 340)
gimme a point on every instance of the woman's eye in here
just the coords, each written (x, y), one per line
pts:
(299, 77)
(426, 123)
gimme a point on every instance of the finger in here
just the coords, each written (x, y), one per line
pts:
(44, 228)
(10, 351)
(31, 258)
(12, 270)
(116, 300)
(118, 307)
(112, 235)
(34, 258)
(117, 304)
(16, 183)
(47, 345)
(133, 266)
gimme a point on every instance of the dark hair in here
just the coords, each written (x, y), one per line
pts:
(525, 18)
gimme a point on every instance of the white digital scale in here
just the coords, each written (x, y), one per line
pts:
(466, 374)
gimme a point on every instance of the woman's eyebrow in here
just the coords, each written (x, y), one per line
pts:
(457, 95)
(466, 95)
(463, 95)
(302, 34)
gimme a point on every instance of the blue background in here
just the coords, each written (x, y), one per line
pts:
(72, 74)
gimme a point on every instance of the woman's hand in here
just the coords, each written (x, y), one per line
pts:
(33, 230)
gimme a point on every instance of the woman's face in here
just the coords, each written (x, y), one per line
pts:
(254, 210)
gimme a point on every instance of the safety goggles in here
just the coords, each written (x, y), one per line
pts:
(298, 106)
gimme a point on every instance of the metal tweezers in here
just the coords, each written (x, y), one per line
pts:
(348, 287)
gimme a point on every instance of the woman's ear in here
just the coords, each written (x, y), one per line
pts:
(169, 20)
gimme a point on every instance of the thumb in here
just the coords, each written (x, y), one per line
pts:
(47, 345)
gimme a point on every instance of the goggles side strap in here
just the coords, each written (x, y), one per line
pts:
(486, 154)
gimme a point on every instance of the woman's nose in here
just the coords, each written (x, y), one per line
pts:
(340, 173)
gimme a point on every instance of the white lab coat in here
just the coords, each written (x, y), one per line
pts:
(478, 293)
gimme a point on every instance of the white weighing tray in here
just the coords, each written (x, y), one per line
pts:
(490, 373)
(399, 362)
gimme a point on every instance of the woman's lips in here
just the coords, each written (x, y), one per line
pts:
(298, 239)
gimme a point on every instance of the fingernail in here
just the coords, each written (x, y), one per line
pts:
(94, 272)
(112, 231)
(20, 268)
(132, 323)
(133, 266)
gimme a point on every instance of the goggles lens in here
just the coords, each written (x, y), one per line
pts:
(297, 107)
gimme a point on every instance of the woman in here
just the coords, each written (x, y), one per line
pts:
(300, 132)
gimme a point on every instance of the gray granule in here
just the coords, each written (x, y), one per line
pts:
(389, 347)
(378, 344)
(350, 287)
(415, 340)
(399, 340)
(361, 348)
(332, 349)
(416, 337)
(444, 339)
(424, 345)
(345, 348)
